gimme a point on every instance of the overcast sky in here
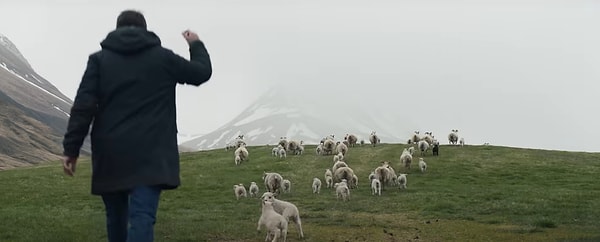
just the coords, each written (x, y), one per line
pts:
(518, 73)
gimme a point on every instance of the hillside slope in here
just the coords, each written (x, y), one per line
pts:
(471, 193)
(33, 112)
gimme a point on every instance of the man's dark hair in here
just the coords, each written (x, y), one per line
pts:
(131, 18)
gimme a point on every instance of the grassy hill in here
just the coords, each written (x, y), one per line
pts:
(471, 193)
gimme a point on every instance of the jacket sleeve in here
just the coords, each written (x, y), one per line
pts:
(195, 71)
(83, 109)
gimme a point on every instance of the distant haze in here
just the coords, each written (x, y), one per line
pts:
(515, 73)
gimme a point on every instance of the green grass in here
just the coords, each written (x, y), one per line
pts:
(471, 193)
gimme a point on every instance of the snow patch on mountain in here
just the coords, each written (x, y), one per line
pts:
(60, 110)
(262, 112)
(3, 65)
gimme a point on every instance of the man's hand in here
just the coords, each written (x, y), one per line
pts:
(69, 164)
(190, 36)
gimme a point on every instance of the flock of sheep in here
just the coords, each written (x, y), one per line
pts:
(276, 214)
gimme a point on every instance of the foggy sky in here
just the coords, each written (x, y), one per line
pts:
(515, 73)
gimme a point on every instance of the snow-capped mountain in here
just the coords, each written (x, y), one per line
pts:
(33, 112)
(279, 114)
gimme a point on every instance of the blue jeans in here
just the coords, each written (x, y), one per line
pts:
(130, 215)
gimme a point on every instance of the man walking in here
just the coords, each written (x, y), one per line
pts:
(127, 95)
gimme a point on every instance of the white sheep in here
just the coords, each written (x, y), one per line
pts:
(345, 173)
(287, 186)
(273, 182)
(319, 149)
(375, 187)
(283, 142)
(338, 164)
(402, 180)
(240, 191)
(242, 153)
(422, 165)
(351, 140)
(287, 209)
(316, 185)
(462, 141)
(411, 150)
(453, 137)
(294, 147)
(385, 174)
(328, 147)
(374, 139)
(275, 151)
(423, 147)
(414, 138)
(406, 158)
(275, 223)
(253, 189)
(342, 191)
(341, 148)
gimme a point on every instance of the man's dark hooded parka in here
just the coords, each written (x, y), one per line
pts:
(127, 95)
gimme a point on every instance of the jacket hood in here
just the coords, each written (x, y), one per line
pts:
(130, 40)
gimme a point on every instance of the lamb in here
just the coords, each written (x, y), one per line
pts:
(453, 137)
(423, 147)
(288, 210)
(406, 158)
(342, 191)
(316, 185)
(329, 181)
(240, 191)
(301, 147)
(402, 180)
(354, 181)
(275, 151)
(253, 189)
(341, 148)
(462, 141)
(282, 153)
(275, 223)
(351, 139)
(287, 186)
(422, 165)
(328, 172)
(375, 187)
(372, 176)
(237, 160)
(374, 139)
(338, 157)
(273, 182)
